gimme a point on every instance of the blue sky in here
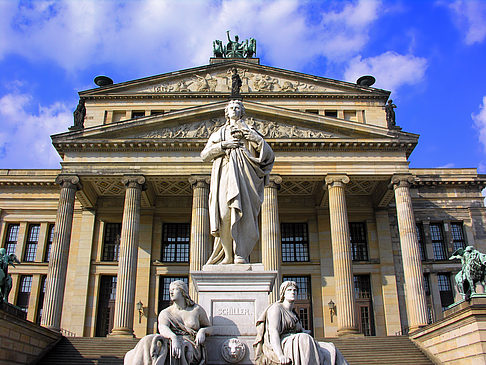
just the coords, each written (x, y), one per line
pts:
(430, 54)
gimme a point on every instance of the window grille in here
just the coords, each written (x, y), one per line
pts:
(295, 242)
(24, 292)
(458, 240)
(427, 284)
(32, 240)
(40, 302)
(111, 243)
(437, 241)
(175, 242)
(445, 290)
(421, 241)
(50, 239)
(12, 236)
(359, 244)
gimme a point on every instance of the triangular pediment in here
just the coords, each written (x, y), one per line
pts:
(199, 122)
(217, 79)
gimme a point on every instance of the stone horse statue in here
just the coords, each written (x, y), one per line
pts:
(218, 48)
(249, 48)
(5, 278)
(472, 272)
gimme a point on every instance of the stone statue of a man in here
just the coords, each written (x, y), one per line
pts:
(242, 161)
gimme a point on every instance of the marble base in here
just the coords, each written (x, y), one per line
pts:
(233, 297)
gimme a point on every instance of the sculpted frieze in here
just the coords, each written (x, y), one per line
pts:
(221, 82)
(203, 129)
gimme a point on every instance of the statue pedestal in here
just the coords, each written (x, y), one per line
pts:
(460, 337)
(233, 297)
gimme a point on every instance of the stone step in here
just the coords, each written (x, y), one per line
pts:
(394, 350)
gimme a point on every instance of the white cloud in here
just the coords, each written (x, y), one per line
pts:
(153, 34)
(24, 136)
(390, 69)
(449, 165)
(470, 17)
(479, 120)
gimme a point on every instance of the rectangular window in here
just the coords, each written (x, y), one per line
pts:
(111, 242)
(303, 302)
(359, 244)
(31, 244)
(156, 112)
(138, 114)
(295, 242)
(421, 241)
(350, 115)
(427, 284)
(106, 305)
(50, 239)
(445, 290)
(164, 296)
(331, 113)
(12, 236)
(312, 111)
(437, 241)
(24, 292)
(458, 240)
(175, 242)
(40, 304)
(364, 306)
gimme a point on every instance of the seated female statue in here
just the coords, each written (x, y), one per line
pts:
(281, 339)
(185, 325)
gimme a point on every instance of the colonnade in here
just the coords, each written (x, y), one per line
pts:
(270, 240)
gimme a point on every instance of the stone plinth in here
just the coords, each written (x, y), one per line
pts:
(233, 297)
(460, 337)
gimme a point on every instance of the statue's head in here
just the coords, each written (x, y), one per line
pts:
(390, 101)
(286, 285)
(234, 109)
(3, 251)
(469, 249)
(236, 38)
(178, 287)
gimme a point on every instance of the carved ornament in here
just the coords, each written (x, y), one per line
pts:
(134, 181)
(402, 181)
(69, 181)
(267, 129)
(199, 181)
(336, 180)
(233, 350)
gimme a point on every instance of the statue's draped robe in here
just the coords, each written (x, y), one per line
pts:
(300, 347)
(191, 354)
(238, 177)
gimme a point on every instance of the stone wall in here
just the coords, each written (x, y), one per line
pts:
(459, 338)
(23, 342)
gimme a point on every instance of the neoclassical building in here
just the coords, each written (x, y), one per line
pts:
(344, 215)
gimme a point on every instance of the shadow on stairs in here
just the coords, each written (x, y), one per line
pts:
(393, 350)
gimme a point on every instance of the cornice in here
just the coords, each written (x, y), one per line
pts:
(298, 145)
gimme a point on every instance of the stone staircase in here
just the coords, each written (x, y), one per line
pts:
(396, 350)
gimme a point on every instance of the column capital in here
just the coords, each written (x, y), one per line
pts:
(199, 181)
(69, 181)
(274, 182)
(402, 181)
(134, 181)
(336, 180)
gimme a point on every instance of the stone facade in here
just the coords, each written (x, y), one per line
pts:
(340, 174)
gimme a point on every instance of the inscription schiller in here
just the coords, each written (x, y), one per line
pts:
(235, 312)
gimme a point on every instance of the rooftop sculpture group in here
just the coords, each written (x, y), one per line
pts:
(234, 49)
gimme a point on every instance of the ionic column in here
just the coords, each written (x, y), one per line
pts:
(341, 255)
(127, 263)
(412, 264)
(56, 273)
(271, 249)
(199, 226)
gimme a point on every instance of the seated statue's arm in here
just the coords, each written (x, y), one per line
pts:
(273, 318)
(205, 326)
(166, 332)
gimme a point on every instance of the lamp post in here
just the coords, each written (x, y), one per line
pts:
(332, 309)
(140, 311)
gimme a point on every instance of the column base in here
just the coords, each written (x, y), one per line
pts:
(122, 333)
(349, 332)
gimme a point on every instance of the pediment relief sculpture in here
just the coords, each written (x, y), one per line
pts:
(268, 129)
(221, 82)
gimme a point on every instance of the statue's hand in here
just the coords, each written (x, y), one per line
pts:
(230, 144)
(176, 348)
(200, 337)
(284, 360)
(252, 136)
